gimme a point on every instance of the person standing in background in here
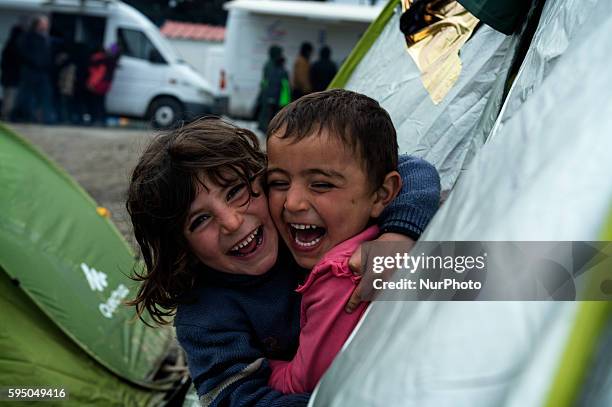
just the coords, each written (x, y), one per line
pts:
(101, 72)
(300, 80)
(66, 84)
(34, 99)
(275, 90)
(80, 55)
(11, 64)
(323, 71)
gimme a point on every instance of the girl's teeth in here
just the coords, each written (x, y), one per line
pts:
(245, 241)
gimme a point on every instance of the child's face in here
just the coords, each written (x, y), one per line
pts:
(319, 194)
(229, 234)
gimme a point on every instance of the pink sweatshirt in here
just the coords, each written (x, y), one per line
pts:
(325, 326)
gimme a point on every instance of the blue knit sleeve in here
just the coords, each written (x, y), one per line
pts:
(417, 201)
(228, 370)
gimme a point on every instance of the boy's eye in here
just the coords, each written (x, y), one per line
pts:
(199, 220)
(277, 184)
(322, 185)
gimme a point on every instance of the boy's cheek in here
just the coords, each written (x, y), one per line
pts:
(275, 205)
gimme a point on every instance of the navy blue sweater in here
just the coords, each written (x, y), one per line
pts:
(230, 324)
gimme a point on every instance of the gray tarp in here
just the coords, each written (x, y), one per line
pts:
(447, 134)
(544, 174)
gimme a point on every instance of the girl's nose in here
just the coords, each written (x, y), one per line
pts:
(230, 220)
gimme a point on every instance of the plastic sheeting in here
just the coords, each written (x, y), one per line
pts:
(544, 174)
(435, 48)
(449, 133)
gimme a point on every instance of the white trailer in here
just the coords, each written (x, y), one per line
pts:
(254, 25)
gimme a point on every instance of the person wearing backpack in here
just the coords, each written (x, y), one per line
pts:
(275, 90)
(101, 70)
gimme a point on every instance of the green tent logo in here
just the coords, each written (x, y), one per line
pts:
(96, 279)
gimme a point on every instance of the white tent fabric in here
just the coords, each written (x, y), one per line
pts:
(566, 20)
(544, 174)
(447, 134)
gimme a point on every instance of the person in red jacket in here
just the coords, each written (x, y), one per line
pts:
(102, 65)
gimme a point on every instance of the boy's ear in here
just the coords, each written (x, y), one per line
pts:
(391, 186)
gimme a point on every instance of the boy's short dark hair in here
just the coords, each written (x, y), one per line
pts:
(357, 120)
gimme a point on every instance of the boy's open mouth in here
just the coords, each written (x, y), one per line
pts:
(249, 244)
(305, 235)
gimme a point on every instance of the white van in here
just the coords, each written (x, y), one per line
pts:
(150, 82)
(254, 25)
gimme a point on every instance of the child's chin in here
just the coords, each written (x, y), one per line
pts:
(305, 262)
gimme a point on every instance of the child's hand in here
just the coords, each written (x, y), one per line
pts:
(366, 282)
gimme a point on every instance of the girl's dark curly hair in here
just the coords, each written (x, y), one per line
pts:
(163, 185)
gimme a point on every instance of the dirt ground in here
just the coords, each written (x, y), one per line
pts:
(100, 159)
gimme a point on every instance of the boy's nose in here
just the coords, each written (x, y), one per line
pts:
(295, 200)
(230, 220)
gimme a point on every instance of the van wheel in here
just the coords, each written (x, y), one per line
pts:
(165, 112)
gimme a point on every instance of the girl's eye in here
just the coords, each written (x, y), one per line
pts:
(199, 220)
(237, 191)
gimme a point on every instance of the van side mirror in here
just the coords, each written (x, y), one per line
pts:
(155, 57)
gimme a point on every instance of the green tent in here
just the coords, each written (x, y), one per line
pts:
(64, 276)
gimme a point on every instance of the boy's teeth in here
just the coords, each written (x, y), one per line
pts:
(302, 226)
(308, 244)
(306, 235)
(245, 242)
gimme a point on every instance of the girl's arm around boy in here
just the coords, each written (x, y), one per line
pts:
(410, 212)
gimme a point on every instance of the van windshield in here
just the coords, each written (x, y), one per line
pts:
(137, 44)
